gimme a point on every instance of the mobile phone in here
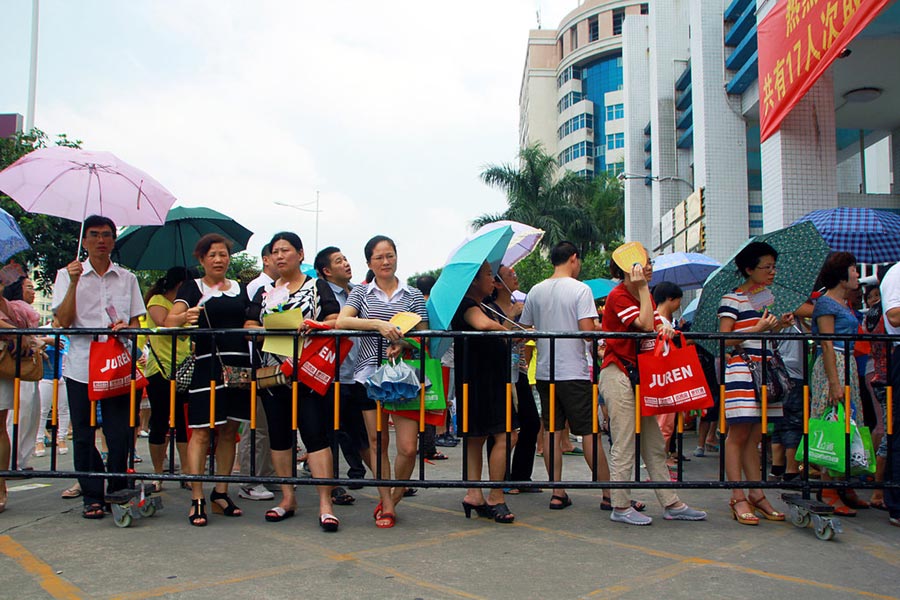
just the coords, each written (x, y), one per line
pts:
(113, 315)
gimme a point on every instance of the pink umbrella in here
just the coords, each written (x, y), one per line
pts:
(524, 240)
(71, 183)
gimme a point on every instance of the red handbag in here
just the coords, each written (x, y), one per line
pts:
(672, 379)
(109, 370)
(317, 360)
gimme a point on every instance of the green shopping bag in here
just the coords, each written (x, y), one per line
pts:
(434, 382)
(827, 444)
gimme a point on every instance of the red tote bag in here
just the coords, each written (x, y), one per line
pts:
(672, 379)
(109, 370)
(317, 360)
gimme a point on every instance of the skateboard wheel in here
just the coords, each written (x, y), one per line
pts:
(123, 521)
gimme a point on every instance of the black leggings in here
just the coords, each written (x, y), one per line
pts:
(158, 394)
(315, 416)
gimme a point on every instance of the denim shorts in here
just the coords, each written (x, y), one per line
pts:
(789, 429)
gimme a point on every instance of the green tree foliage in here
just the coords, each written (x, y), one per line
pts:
(411, 280)
(53, 240)
(533, 269)
(536, 197)
(568, 207)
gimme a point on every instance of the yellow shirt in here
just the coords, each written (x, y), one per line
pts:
(162, 344)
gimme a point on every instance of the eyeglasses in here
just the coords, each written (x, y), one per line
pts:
(99, 234)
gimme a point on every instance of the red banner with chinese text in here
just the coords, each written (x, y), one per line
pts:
(798, 40)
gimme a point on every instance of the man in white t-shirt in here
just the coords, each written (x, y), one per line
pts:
(890, 303)
(564, 304)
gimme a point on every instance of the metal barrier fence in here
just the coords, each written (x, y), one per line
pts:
(803, 483)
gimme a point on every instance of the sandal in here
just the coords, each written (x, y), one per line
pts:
(769, 516)
(229, 510)
(71, 492)
(93, 511)
(378, 510)
(330, 523)
(501, 513)
(197, 516)
(410, 492)
(385, 520)
(831, 497)
(744, 518)
(436, 456)
(878, 504)
(340, 497)
(482, 510)
(560, 502)
(156, 485)
(274, 515)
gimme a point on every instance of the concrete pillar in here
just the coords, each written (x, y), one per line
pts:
(636, 71)
(799, 160)
(895, 161)
(669, 51)
(720, 135)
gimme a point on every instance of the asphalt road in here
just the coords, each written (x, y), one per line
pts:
(48, 551)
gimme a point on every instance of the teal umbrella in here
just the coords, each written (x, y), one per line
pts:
(801, 254)
(161, 247)
(600, 287)
(456, 276)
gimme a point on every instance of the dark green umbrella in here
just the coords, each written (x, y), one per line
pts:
(160, 247)
(801, 254)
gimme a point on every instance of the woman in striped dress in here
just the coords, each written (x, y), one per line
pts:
(745, 310)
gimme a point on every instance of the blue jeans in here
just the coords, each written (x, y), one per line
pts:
(789, 429)
(892, 475)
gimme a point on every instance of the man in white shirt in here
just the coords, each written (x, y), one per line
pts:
(264, 467)
(890, 302)
(564, 304)
(96, 294)
(333, 267)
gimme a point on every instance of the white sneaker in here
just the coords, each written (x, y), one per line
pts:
(631, 517)
(258, 492)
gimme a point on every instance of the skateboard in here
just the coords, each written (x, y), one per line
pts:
(805, 511)
(135, 503)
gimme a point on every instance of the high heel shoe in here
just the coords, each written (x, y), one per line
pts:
(482, 510)
(229, 510)
(769, 516)
(501, 513)
(197, 518)
(746, 518)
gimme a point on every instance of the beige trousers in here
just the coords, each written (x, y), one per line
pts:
(616, 391)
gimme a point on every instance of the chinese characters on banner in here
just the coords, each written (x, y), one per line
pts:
(798, 41)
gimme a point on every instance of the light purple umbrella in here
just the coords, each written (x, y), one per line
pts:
(72, 184)
(524, 240)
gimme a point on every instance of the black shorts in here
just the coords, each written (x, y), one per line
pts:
(573, 404)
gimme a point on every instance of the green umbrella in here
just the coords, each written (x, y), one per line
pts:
(161, 247)
(801, 254)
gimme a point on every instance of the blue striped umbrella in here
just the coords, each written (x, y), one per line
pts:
(12, 241)
(687, 270)
(873, 236)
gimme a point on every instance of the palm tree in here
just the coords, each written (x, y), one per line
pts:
(606, 206)
(537, 198)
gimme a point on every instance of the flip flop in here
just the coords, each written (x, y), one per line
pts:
(276, 514)
(93, 511)
(71, 493)
(878, 504)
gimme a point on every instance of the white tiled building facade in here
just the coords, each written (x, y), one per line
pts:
(696, 176)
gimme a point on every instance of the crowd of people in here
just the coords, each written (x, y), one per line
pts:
(211, 405)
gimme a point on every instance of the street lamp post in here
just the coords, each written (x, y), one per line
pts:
(302, 207)
(623, 176)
